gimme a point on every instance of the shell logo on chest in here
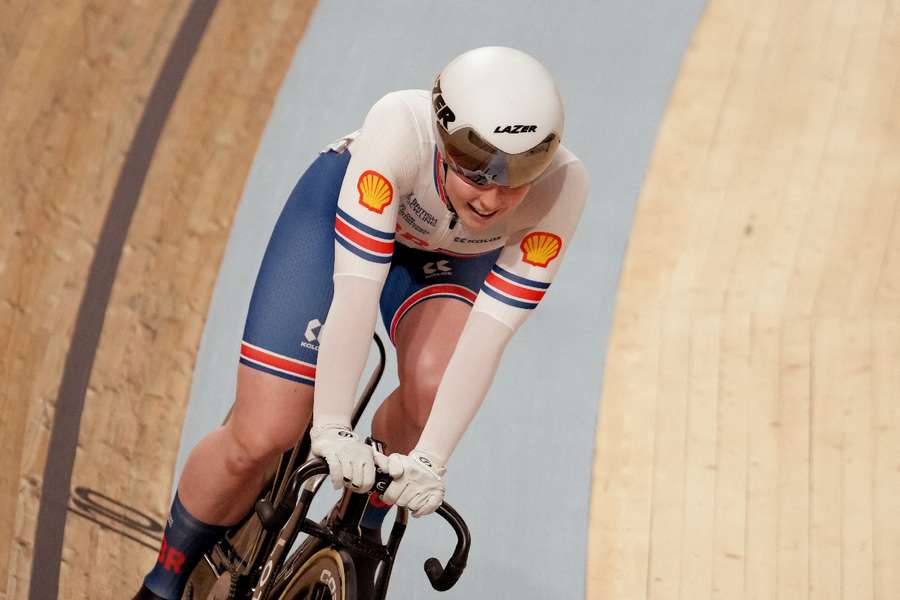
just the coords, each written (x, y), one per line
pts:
(375, 191)
(540, 247)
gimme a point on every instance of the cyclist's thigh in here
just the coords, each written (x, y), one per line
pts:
(426, 302)
(290, 300)
(426, 337)
(269, 412)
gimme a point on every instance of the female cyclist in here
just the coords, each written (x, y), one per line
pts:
(451, 210)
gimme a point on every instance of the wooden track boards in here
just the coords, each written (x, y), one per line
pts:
(76, 78)
(748, 445)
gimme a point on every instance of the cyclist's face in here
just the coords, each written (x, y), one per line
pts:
(479, 207)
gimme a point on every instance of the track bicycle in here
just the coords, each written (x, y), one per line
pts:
(253, 560)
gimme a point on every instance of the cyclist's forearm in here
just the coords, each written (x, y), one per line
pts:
(344, 347)
(465, 384)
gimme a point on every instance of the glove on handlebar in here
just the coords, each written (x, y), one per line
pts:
(418, 481)
(350, 461)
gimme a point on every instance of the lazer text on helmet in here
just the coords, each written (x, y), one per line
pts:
(516, 129)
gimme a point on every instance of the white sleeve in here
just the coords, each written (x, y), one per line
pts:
(531, 258)
(384, 157)
(514, 287)
(344, 347)
(382, 167)
(465, 384)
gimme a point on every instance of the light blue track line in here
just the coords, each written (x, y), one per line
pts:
(521, 476)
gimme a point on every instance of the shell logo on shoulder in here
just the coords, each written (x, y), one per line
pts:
(375, 192)
(540, 247)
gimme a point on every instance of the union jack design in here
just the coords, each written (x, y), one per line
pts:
(438, 180)
(514, 290)
(364, 241)
(277, 364)
(446, 290)
(412, 238)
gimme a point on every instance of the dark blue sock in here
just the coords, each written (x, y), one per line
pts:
(185, 541)
(375, 512)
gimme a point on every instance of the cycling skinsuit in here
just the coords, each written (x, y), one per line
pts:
(373, 206)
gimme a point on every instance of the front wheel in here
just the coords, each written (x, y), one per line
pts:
(329, 574)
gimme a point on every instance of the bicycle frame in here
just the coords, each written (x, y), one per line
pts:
(342, 531)
(281, 513)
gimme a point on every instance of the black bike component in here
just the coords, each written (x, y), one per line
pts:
(272, 518)
(384, 573)
(286, 536)
(272, 509)
(341, 530)
(444, 578)
(355, 544)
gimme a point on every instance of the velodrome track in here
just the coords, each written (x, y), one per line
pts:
(747, 444)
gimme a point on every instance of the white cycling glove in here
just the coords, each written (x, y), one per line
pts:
(350, 461)
(418, 481)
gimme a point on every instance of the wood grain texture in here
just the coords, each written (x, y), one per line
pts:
(75, 80)
(77, 76)
(748, 435)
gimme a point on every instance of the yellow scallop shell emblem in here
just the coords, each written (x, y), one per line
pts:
(375, 192)
(540, 247)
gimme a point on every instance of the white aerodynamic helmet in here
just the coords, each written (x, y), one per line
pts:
(498, 116)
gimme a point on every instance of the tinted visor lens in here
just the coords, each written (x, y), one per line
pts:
(480, 162)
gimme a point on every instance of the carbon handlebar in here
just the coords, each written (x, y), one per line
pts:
(444, 578)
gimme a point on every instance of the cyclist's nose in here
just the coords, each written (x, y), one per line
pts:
(489, 199)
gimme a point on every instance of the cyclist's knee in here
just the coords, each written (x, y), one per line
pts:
(268, 417)
(419, 386)
(251, 449)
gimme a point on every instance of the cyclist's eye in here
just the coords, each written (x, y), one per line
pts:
(477, 181)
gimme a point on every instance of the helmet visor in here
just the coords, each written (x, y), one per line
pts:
(482, 163)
